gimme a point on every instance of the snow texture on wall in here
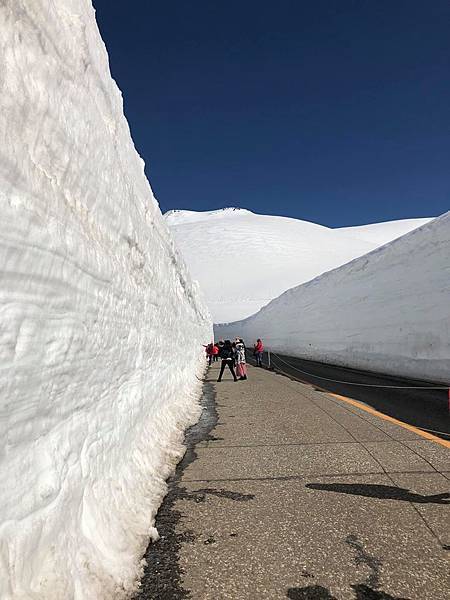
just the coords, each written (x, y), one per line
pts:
(101, 327)
(387, 311)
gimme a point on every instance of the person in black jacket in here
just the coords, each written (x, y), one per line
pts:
(228, 355)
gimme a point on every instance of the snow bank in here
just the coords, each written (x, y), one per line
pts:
(387, 311)
(101, 327)
(244, 260)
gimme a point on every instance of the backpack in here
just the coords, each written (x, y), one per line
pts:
(227, 353)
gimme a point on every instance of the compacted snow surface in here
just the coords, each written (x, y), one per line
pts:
(101, 327)
(387, 311)
(243, 260)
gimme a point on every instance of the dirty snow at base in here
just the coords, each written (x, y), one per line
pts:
(387, 311)
(96, 309)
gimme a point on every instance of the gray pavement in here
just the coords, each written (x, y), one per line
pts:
(291, 493)
(412, 401)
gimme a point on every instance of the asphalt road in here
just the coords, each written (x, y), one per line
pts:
(284, 493)
(426, 409)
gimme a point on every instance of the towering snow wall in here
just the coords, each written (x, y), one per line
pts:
(101, 326)
(387, 311)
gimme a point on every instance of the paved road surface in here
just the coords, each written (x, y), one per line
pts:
(423, 408)
(287, 492)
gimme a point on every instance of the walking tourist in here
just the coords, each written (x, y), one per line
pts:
(228, 355)
(241, 366)
(209, 353)
(258, 352)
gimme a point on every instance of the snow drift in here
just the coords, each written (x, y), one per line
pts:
(382, 233)
(244, 260)
(96, 309)
(387, 311)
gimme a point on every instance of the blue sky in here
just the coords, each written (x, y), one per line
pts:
(336, 112)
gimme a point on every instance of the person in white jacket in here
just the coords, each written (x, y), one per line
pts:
(241, 366)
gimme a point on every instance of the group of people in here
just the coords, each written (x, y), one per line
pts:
(233, 356)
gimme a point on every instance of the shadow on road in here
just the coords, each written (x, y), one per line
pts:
(383, 492)
(310, 592)
(318, 592)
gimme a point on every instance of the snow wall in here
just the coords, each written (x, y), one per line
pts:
(387, 311)
(101, 327)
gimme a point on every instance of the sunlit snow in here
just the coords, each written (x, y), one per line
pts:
(101, 326)
(387, 311)
(243, 260)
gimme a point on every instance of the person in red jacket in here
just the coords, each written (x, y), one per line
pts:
(215, 352)
(258, 352)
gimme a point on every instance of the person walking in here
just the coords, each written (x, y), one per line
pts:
(258, 351)
(241, 366)
(215, 352)
(209, 353)
(227, 354)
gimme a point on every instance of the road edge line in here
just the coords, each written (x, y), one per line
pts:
(373, 411)
(377, 413)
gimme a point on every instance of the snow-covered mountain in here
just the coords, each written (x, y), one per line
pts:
(96, 309)
(243, 260)
(387, 311)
